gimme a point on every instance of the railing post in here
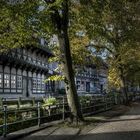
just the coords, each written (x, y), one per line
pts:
(104, 102)
(33, 100)
(115, 99)
(81, 107)
(49, 110)
(38, 110)
(4, 120)
(63, 108)
(1, 102)
(19, 102)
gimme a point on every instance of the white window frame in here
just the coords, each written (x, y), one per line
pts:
(39, 84)
(19, 82)
(43, 85)
(34, 83)
(6, 80)
(78, 85)
(13, 81)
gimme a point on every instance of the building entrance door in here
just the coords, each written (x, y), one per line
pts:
(87, 86)
(101, 88)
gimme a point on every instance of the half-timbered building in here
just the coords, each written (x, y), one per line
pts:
(23, 71)
(92, 79)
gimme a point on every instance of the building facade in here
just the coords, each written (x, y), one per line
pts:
(91, 80)
(23, 71)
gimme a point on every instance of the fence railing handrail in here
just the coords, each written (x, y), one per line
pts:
(103, 103)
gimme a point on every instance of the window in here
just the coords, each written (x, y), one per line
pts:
(39, 83)
(1, 81)
(43, 85)
(34, 83)
(78, 85)
(82, 85)
(13, 81)
(88, 86)
(6, 81)
(48, 86)
(52, 86)
(19, 81)
(95, 84)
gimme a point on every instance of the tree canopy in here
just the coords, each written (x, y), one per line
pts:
(112, 26)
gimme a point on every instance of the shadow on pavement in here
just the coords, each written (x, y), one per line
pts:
(132, 135)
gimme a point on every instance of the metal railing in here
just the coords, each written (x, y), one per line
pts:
(35, 115)
(14, 119)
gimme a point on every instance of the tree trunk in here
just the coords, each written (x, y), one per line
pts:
(125, 90)
(60, 18)
(70, 87)
(124, 87)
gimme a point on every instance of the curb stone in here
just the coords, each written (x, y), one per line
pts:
(28, 131)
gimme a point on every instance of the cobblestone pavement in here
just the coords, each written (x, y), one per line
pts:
(124, 127)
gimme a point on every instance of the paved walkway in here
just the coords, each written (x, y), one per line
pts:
(124, 127)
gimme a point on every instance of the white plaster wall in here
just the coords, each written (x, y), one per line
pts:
(19, 72)
(34, 74)
(7, 69)
(24, 73)
(30, 74)
(13, 71)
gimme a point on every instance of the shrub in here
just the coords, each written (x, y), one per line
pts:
(49, 101)
(84, 99)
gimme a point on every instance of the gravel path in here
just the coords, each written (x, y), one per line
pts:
(125, 127)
